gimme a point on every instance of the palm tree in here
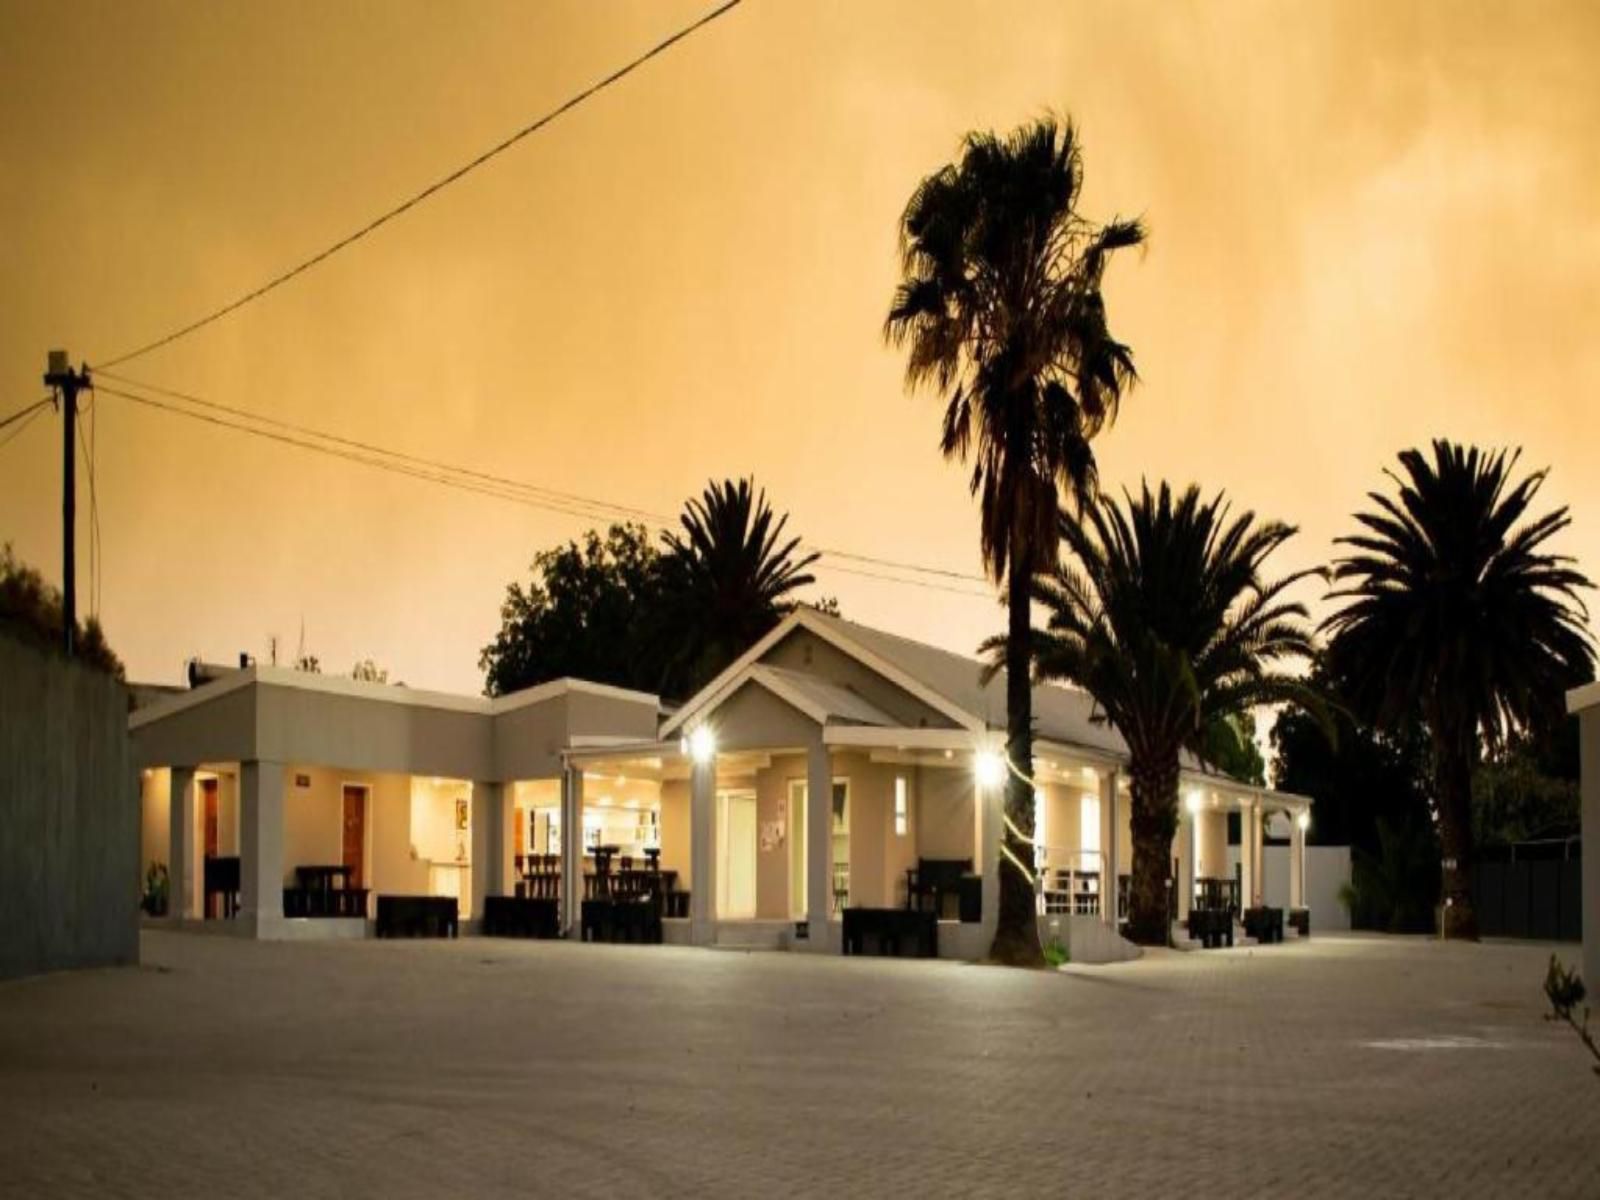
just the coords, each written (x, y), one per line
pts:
(1001, 312)
(1160, 612)
(728, 577)
(1455, 610)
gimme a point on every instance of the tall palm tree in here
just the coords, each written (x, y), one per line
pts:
(1160, 612)
(1454, 608)
(729, 577)
(1000, 310)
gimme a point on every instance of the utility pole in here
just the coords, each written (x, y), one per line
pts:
(67, 384)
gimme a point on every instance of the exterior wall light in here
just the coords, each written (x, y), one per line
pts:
(989, 769)
(702, 745)
(1192, 802)
(1304, 821)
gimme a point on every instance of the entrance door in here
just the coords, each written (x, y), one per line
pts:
(355, 834)
(736, 858)
(208, 797)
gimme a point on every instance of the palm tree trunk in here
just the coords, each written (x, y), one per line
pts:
(1153, 780)
(1453, 758)
(1016, 933)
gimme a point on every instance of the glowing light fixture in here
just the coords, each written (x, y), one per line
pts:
(1304, 821)
(989, 768)
(1193, 802)
(702, 745)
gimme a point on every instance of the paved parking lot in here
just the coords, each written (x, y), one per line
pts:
(1353, 1066)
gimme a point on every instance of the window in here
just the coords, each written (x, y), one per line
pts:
(900, 816)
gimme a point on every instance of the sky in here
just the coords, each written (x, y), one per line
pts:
(1370, 225)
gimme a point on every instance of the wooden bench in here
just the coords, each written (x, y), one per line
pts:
(933, 881)
(221, 886)
(520, 917)
(417, 916)
(637, 921)
(891, 932)
(1211, 927)
(1264, 924)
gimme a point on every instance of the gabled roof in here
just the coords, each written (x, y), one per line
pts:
(822, 701)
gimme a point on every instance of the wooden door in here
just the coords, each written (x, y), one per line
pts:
(355, 834)
(208, 795)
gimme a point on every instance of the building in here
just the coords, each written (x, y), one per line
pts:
(418, 792)
(1585, 703)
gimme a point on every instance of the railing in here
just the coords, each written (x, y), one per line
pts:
(1068, 882)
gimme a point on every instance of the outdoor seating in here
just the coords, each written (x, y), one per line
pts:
(891, 932)
(635, 920)
(1300, 921)
(1211, 927)
(417, 916)
(520, 917)
(221, 886)
(933, 882)
(324, 891)
(1264, 924)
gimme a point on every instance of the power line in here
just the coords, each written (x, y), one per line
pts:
(26, 409)
(496, 487)
(604, 508)
(438, 185)
(27, 419)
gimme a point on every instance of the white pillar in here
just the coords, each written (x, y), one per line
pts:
(990, 803)
(1109, 866)
(703, 852)
(488, 844)
(1247, 854)
(1297, 862)
(180, 846)
(1185, 880)
(260, 845)
(1258, 854)
(572, 851)
(819, 845)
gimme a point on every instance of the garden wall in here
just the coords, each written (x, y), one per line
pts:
(69, 816)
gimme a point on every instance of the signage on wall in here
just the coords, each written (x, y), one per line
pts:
(302, 781)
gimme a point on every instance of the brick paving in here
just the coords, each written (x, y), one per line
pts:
(1341, 1066)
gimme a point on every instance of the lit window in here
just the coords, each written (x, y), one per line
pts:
(900, 806)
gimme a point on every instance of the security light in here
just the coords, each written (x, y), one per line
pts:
(702, 745)
(989, 768)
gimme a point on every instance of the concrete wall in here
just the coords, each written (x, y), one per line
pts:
(675, 830)
(1327, 870)
(946, 813)
(1589, 823)
(69, 816)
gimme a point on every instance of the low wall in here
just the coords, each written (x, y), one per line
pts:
(69, 816)
(1327, 870)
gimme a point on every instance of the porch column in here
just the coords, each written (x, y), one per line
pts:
(1297, 862)
(990, 804)
(1109, 866)
(819, 845)
(572, 851)
(488, 843)
(1248, 820)
(1258, 855)
(1187, 828)
(180, 846)
(260, 844)
(703, 852)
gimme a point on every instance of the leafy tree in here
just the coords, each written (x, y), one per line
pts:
(1000, 311)
(728, 576)
(1229, 744)
(367, 671)
(32, 611)
(582, 615)
(1454, 608)
(1370, 790)
(1161, 614)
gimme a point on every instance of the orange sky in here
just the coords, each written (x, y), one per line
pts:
(1370, 224)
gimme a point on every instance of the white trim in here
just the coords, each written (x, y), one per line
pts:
(389, 693)
(717, 686)
(1587, 696)
(715, 692)
(965, 741)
